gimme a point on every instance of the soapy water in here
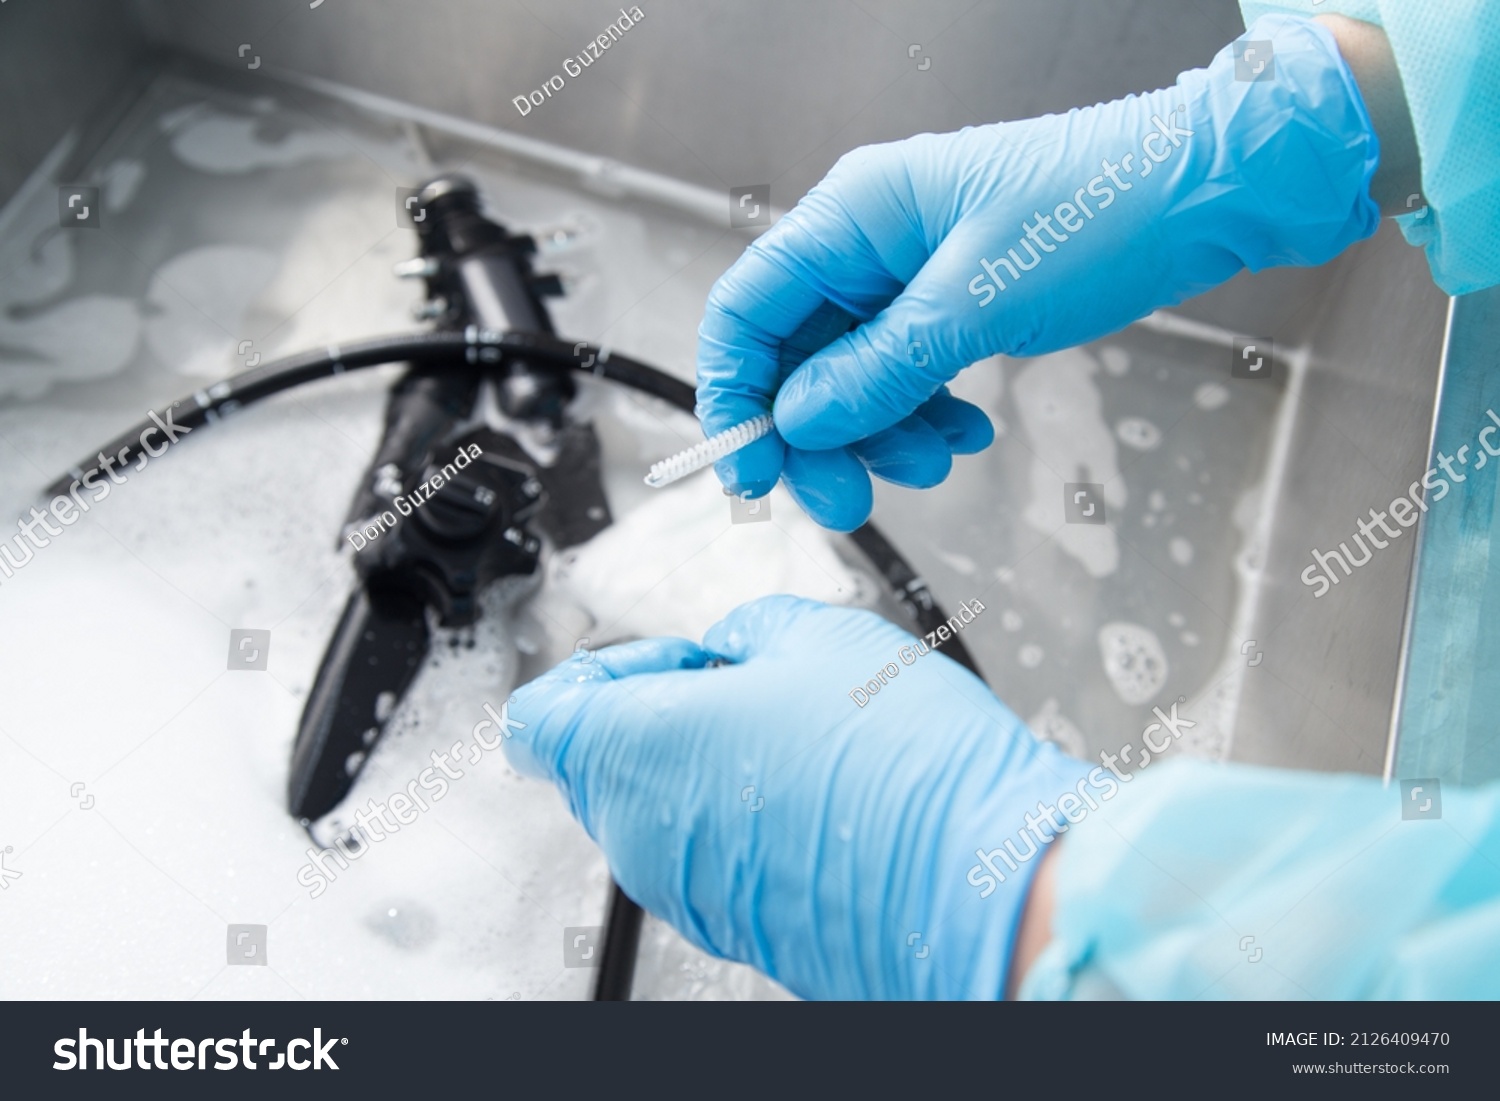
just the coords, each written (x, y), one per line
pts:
(500, 866)
(1062, 415)
(1210, 396)
(959, 563)
(1134, 661)
(1115, 360)
(191, 292)
(83, 337)
(213, 140)
(185, 764)
(193, 316)
(1084, 589)
(1138, 433)
(675, 565)
(1051, 725)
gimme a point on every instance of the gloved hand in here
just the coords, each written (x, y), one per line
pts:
(1018, 238)
(772, 820)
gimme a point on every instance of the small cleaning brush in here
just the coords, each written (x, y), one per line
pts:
(709, 451)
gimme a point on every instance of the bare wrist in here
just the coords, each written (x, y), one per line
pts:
(1035, 932)
(1397, 184)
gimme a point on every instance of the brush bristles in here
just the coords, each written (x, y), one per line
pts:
(709, 451)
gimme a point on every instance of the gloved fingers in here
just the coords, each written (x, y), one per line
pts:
(625, 659)
(831, 486)
(965, 427)
(755, 306)
(859, 385)
(825, 324)
(650, 655)
(754, 469)
(831, 249)
(883, 371)
(550, 715)
(757, 626)
(797, 287)
(911, 453)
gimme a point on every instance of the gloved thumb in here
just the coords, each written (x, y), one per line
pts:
(879, 373)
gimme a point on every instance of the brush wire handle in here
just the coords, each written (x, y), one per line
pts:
(709, 451)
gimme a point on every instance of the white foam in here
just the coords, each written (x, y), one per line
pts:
(1134, 661)
(1061, 413)
(676, 565)
(215, 141)
(121, 182)
(1051, 725)
(960, 563)
(1138, 433)
(197, 302)
(1211, 395)
(45, 341)
(1116, 360)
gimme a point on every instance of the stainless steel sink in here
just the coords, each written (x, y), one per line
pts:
(244, 221)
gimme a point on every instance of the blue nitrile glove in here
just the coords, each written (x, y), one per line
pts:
(773, 820)
(1019, 238)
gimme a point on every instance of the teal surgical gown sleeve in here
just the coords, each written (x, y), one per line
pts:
(1204, 881)
(1448, 54)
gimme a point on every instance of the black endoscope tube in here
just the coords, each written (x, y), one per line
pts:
(622, 937)
(222, 398)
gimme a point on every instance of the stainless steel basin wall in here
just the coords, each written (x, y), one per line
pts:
(1323, 693)
(1371, 323)
(1448, 723)
(710, 96)
(718, 92)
